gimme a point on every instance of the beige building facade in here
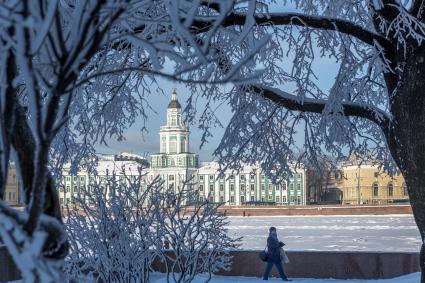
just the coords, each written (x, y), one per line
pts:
(11, 195)
(366, 183)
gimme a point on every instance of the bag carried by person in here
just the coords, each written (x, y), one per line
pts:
(263, 255)
(283, 256)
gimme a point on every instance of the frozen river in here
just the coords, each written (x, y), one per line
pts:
(331, 233)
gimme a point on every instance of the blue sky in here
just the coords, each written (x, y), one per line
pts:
(148, 142)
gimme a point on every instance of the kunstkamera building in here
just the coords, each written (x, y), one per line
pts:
(176, 165)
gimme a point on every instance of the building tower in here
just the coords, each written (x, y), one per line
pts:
(174, 141)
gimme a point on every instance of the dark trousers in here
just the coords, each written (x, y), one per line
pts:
(279, 267)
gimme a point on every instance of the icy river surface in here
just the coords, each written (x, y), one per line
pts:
(387, 233)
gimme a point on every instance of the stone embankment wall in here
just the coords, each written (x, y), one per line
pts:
(338, 265)
(317, 210)
(303, 264)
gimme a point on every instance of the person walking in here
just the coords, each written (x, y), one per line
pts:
(274, 255)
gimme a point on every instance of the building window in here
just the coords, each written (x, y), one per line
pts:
(232, 199)
(292, 199)
(252, 177)
(82, 179)
(263, 187)
(284, 199)
(283, 186)
(291, 186)
(211, 188)
(243, 177)
(270, 187)
(376, 174)
(263, 199)
(262, 176)
(232, 177)
(298, 186)
(211, 199)
(201, 188)
(221, 199)
(242, 199)
(61, 189)
(252, 198)
(68, 179)
(277, 199)
(171, 177)
(173, 144)
(270, 197)
(201, 177)
(68, 189)
(61, 200)
(232, 187)
(390, 189)
(405, 193)
(299, 176)
(252, 187)
(183, 144)
(298, 200)
(201, 198)
(375, 188)
(221, 187)
(242, 188)
(211, 177)
(221, 177)
(10, 195)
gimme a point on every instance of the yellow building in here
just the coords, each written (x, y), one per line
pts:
(365, 183)
(11, 195)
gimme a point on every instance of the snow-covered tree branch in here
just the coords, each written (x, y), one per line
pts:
(122, 224)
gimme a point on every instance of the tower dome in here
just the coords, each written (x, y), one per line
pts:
(174, 103)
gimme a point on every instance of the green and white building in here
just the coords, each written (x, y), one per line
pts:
(175, 164)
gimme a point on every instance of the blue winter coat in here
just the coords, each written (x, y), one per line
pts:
(273, 247)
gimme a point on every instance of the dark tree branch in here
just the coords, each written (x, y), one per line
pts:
(25, 147)
(389, 11)
(324, 23)
(292, 102)
(417, 9)
(8, 119)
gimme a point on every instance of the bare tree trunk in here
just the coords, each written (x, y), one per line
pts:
(416, 187)
(406, 135)
(25, 147)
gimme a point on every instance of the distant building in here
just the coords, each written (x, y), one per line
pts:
(11, 195)
(355, 182)
(175, 164)
(123, 163)
(324, 187)
(365, 183)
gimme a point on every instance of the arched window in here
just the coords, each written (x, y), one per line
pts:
(390, 189)
(405, 193)
(375, 188)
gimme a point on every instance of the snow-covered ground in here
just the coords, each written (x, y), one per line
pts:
(411, 278)
(331, 233)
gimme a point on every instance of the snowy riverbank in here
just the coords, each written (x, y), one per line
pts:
(384, 233)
